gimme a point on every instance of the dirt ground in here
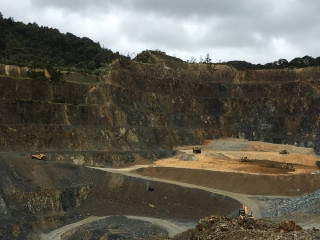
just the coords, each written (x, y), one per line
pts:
(240, 166)
(257, 158)
(252, 184)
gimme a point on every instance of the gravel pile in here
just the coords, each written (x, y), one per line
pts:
(228, 144)
(216, 227)
(308, 203)
(186, 157)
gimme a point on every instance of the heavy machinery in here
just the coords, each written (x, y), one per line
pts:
(196, 150)
(243, 213)
(288, 166)
(40, 156)
(245, 159)
(284, 152)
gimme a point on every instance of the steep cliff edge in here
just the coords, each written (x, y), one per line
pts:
(146, 108)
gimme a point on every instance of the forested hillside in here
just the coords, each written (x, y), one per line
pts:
(282, 63)
(34, 46)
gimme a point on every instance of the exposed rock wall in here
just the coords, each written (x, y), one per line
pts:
(148, 108)
(34, 195)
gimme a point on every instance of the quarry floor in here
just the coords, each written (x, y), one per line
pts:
(220, 168)
(262, 175)
(185, 187)
(225, 155)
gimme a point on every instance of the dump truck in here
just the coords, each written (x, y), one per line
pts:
(196, 150)
(243, 213)
(40, 156)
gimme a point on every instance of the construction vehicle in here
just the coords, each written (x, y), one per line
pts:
(196, 150)
(288, 166)
(243, 213)
(284, 152)
(40, 156)
(245, 159)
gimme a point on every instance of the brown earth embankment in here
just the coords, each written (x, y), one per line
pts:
(253, 184)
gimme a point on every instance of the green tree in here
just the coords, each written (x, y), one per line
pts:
(207, 59)
(193, 60)
(31, 45)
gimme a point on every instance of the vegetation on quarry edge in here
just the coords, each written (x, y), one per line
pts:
(42, 47)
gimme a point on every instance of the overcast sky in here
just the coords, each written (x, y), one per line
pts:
(257, 31)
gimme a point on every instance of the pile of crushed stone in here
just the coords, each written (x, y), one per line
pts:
(216, 227)
(307, 203)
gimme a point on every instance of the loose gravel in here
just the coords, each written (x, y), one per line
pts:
(307, 203)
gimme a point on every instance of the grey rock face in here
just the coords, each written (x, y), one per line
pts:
(3, 207)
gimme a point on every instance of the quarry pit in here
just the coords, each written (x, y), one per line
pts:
(119, 148)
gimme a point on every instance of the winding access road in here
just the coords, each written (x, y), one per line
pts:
(254, 202)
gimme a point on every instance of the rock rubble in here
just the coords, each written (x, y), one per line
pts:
(216, 227)
(308, 203)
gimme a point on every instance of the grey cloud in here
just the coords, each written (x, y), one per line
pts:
(169, 8)
(191, 26)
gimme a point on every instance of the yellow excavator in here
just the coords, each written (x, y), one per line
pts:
(40, 156)
(243, 213)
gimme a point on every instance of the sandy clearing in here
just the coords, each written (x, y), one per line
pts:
(225, 155)
(256, 166)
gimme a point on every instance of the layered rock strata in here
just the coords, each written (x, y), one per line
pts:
(149, 108)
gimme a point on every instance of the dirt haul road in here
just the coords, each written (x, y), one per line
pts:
(241, 167)
(256, 205)
(171, 227)
(242, 183)
(218, 170)
(248, 172)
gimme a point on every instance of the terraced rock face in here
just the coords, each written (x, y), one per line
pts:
(148, 108)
